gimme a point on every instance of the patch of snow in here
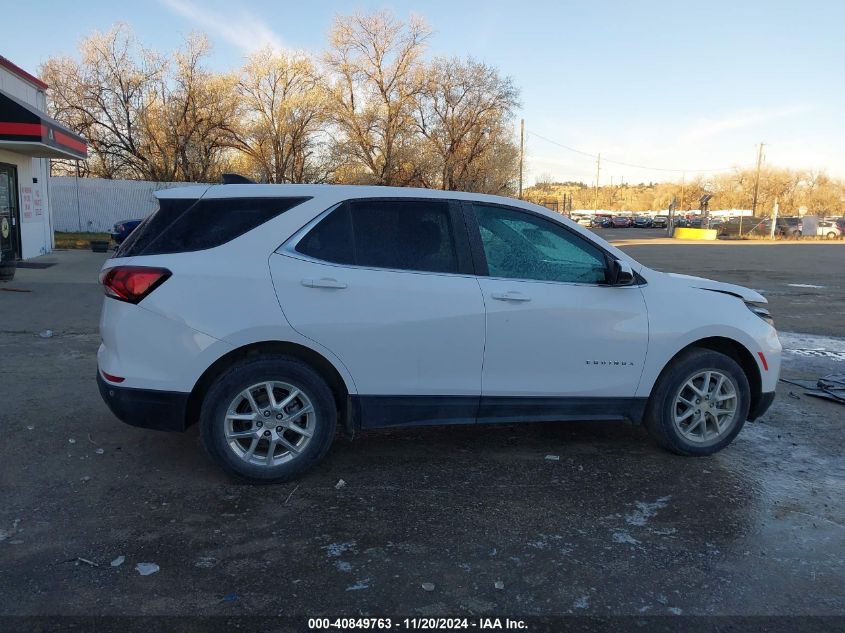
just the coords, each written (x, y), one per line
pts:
(805, 286)
(145, 569)
(363, 583)
(645, 511)
(625, 538)
(205, 562)
(798, 341)
(334, 550)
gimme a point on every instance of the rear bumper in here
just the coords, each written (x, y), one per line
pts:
(762, 405)
(147, 408)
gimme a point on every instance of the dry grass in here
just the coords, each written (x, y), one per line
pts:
(78, 240)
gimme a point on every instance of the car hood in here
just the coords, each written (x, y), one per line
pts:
(746, 294)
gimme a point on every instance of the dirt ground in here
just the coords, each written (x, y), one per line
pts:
(614, 526)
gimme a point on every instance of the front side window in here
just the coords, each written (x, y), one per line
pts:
(520, 245)
(396, 234)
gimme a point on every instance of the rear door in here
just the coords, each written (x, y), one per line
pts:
(387, 286)
(555, 329)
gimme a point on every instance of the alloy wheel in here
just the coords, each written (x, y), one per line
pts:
(705, 407)
(269, 423)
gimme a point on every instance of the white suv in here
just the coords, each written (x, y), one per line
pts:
(273, 313)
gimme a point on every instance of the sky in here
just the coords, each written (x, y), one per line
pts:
(673, 89)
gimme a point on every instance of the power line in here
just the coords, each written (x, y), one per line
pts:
(619, 162)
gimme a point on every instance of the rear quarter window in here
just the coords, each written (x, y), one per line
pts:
(184, 225)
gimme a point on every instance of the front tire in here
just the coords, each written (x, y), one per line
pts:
(268, 419)
(699, 403)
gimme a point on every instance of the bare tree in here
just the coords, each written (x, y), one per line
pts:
(143, 116)
(283, 111)
(186, 118)
(464, 111)
(376, 76)
(375, 112)
(101, 98)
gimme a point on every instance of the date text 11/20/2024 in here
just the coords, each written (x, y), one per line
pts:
(424, 624)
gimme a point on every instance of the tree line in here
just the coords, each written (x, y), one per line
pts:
(370, 109)
(797, 191)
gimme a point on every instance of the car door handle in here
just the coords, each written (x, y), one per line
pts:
(324, 282)
(510, 296)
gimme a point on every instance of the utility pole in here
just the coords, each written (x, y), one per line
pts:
(757, 180)
(598, 171)
(521, 152)
(774, 219)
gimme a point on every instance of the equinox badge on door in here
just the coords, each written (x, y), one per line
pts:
(617, 363)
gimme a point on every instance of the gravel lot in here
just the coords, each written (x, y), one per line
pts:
(615, 526)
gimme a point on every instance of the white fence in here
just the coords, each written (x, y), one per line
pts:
(95, 204)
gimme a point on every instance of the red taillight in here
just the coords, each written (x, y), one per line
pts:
(111, 378)
(132, 283)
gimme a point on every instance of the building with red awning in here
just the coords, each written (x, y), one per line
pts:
(28, 140)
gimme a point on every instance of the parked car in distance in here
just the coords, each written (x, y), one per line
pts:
(271, 314)
(643, 222)
(621, 222)
(121, 230)
(789, 226)
(602, 221)
(660, 222)
(585, 220)
(746, 225)
(831, 229)
(785, 227)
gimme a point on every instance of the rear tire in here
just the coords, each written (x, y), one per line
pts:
(268, 420)
(831, 236)
(689, 416)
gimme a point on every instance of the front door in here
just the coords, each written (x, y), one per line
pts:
(387, 287)
(9, 215)
(555, 329)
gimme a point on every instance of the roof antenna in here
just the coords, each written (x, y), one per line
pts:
(236, 179)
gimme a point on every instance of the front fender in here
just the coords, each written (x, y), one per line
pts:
(679, 318)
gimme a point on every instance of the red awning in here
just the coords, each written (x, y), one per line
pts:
(26, 130)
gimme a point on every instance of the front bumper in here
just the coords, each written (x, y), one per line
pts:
(147, 408)
(762, 405)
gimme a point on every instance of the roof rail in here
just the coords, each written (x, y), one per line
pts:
(236, 179)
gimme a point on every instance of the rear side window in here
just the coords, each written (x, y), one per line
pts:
(396, 234)
(331, 239)
(183, 225)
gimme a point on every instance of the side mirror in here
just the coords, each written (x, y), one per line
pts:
(621, 273)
